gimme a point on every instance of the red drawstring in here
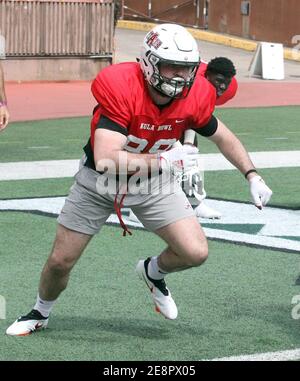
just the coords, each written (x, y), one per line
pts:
(118, 207)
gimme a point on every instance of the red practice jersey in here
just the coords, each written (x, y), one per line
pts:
(122, 96)
(230, 91)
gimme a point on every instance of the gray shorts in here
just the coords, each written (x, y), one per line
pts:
(87, 207)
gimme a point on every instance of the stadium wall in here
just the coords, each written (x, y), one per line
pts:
(259, 20)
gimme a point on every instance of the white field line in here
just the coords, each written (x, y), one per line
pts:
(277, 159)
(31, 170)
(270, 235)
(293, 354)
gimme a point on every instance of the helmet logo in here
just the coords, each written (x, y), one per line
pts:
(153, 40)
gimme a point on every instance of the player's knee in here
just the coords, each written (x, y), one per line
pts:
(197, 255)
(58, 265)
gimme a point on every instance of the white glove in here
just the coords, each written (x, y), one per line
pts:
(178, 159)
(192, 183)
(260, 192)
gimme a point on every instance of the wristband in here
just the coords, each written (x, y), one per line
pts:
(4, 103)
(189, 137)
(250, 171)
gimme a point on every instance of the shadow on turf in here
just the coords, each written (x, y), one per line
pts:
(87, 326)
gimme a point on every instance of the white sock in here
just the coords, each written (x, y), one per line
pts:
(154, 271)
(43, 306)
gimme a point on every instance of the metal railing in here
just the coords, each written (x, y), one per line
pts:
(185, 12)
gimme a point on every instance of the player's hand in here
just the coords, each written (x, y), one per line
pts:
(260, 192)
(4, 117)
(192, 183)
(179, 159)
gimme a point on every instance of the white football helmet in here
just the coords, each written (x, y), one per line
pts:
(170, 44)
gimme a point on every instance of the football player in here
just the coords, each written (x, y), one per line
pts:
(144, 108)
(220, 72)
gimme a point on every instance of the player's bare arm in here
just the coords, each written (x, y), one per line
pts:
(232, 148)
(4, 114)
(235, 152)
(110, 156)
(115, 152)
